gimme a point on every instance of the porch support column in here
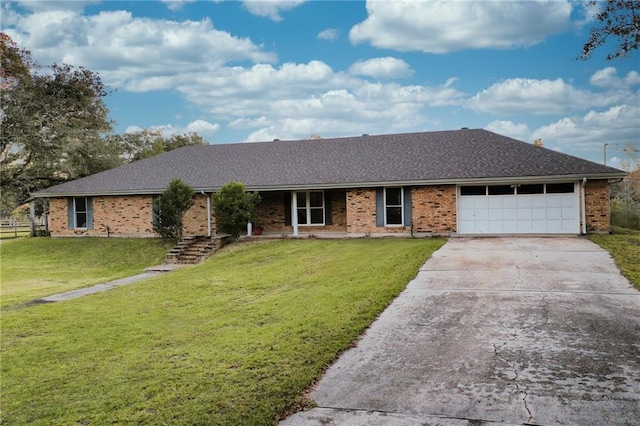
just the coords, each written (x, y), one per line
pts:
(294, 212)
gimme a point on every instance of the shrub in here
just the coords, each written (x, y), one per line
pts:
(233, 207)
(169, 208)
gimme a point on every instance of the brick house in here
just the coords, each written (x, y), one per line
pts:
(468, 181)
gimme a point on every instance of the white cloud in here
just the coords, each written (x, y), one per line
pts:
(387, 67)
(176, 4)
(296, 100)
(539, 97)
(608, 78)
(330, 34)
(270, 8)
(204, 128)
(445, 26)
(508, 128)
(136, 54)
(249, 123)
(587, 133)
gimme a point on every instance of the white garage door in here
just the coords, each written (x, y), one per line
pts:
(519, 209)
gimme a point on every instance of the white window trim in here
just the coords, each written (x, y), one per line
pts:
(308, 207)
(75, 213)
(394, 205)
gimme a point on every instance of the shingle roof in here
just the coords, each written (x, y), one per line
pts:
(458, 156)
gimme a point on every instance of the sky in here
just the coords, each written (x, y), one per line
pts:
(236, 71)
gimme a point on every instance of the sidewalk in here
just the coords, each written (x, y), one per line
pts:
(73, 294)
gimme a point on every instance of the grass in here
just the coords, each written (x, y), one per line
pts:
(9, 234)
(235, 340)
(36, 267)
(624, 246)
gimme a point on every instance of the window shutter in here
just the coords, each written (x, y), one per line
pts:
(89, 213)
(380, 207)
(70, 213)
(287, 208)
(328, 214)
(407, 206)
(155, 212)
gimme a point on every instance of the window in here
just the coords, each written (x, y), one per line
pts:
(310, 207)
(501, 189)
(155, 211)
(536, 188)
(473, 190)
(559, 188)
(80, 212)
(393, 206)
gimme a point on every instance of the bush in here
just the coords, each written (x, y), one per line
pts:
(625, 215)
(234, 207)
(169, 208)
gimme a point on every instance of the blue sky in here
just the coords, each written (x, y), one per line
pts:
(257, 70)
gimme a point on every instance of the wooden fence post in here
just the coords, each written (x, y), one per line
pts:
(32, 218)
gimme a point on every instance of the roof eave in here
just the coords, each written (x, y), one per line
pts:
(346, 185)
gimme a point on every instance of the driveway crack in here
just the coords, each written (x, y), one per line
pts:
(526, 406)
(513, 378)
(545, 309)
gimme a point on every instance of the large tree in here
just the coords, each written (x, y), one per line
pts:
(616, 19)
(149, 142)
(55, 127)
(53, 119)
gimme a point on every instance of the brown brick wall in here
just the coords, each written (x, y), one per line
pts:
(194, 221)
(434, 209)
(271, 214)
(124, 215)
(597, 206)
(353, 211)
(361, 214)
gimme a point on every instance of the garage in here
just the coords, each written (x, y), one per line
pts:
(540, 208)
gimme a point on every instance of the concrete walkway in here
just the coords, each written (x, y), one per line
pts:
(529, 331)
(74, 294)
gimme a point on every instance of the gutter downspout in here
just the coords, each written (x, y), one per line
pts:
(583, 207)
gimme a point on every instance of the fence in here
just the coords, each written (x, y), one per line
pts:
(13, 228)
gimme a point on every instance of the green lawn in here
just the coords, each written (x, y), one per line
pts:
(624, 246)
(9, 234)
(233, 341)
(36, 267)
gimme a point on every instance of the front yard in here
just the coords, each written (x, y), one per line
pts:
(624, 246)
(38, 267)
(232, 341)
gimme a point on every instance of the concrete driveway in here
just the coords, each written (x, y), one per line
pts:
(505, 330)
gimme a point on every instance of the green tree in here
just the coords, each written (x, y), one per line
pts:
(15, 63)
(149, 142)
(619, 19)
(625, 195)
(52, 124)
(170, 207)
(233, 207)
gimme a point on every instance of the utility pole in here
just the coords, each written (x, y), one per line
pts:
(605, 153)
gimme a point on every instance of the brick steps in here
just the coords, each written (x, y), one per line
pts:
(195, 249)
